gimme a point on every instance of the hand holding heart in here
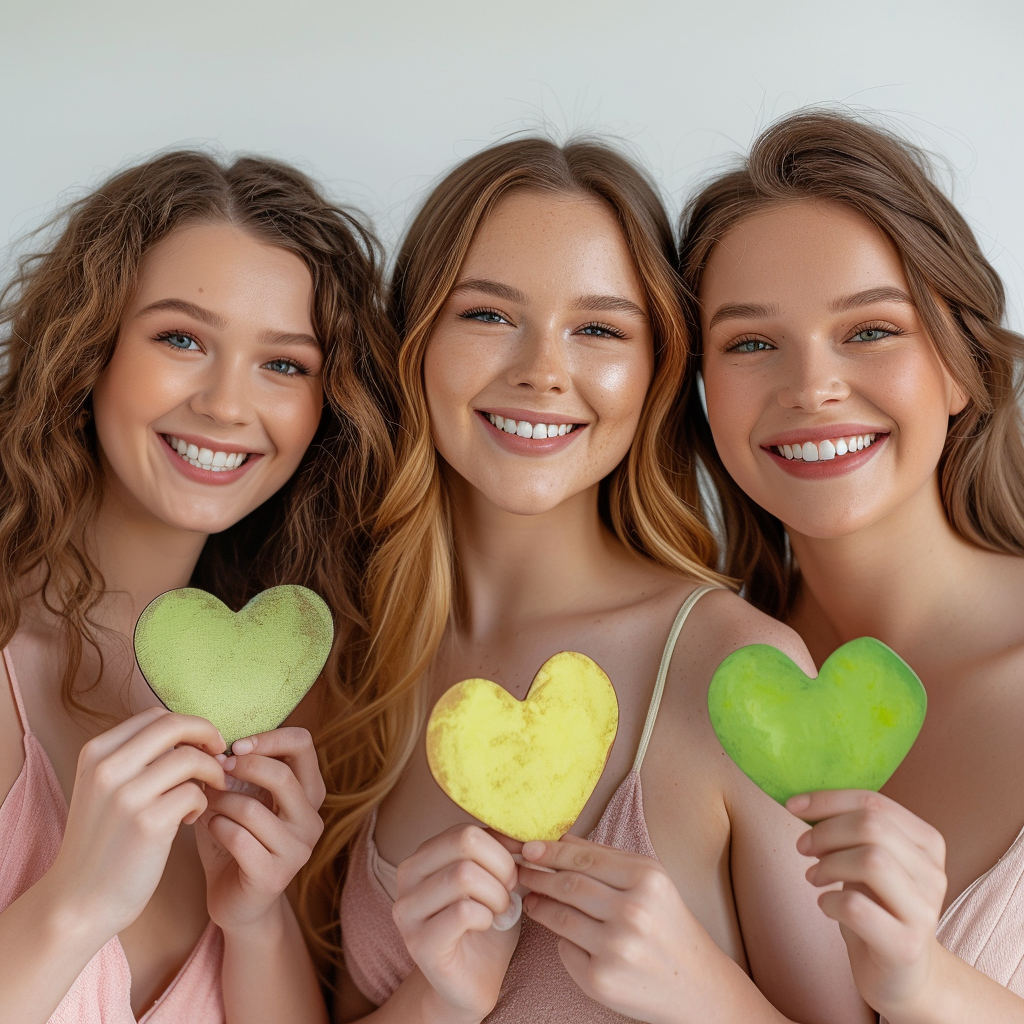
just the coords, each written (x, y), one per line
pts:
(892, 868)
(449, 893)
(625, 935)
(255, 836)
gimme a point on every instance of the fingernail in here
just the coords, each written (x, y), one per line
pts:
(244, 746)
(803, 844)
(502, 922)
(796, 804)
(220, 758)
(229, 763)
(534, 849)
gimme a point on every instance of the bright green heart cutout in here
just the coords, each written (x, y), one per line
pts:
(848, 729)
(244, 671)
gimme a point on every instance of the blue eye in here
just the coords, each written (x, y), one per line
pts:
(484, 316)
(600, 331)
(286, 367)
(750, 345)
(872, 334)
(179, 340)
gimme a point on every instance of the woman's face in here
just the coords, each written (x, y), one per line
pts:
(537, 368)
(827, 399)
(213, 392)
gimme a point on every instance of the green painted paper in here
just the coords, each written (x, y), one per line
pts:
(243, 671)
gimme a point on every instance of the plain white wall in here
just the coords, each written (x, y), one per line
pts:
(377, 98)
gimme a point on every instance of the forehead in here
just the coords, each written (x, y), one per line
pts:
(544, 239)
(801, 252)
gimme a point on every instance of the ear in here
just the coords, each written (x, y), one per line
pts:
(957, 399)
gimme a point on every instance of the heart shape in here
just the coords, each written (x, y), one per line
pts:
(525, 768)
(847, 729)
(244, 671)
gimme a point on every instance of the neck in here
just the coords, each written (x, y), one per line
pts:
(894, 580)
(516, 568)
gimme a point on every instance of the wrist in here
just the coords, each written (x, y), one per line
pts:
(435, 1009)
(68, 917)
(266, 931)
(935, 994)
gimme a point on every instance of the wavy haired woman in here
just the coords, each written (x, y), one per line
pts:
(184, 398)
(866, 439)
(539, 505)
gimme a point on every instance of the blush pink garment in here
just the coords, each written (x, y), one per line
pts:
(537, 987)
(984, 925)
(32, 822)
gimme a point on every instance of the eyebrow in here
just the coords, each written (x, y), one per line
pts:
(742, 311)
(869, 295)
(207, 316)
(603, 303)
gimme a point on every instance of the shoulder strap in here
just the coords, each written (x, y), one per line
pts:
(666, 660)
(17, 693)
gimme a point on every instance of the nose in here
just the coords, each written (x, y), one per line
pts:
(540, 361)
(223, 393)
(813, 378)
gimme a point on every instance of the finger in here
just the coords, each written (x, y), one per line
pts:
(829, 803)
(438, 936)
(463, 880)
(565, 921)
(867, 920)
(159, 736)
(258, 820)
(107, 742)
(181, 805)
(251, 856)
(172, 769)
(514, 846)
(876, 870)
(294, 746)
(460, 842)
(583, 892)
(278, 779)
(616, 868)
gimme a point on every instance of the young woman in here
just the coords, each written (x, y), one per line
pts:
(865, 436)
(186, 359)
(538, 506)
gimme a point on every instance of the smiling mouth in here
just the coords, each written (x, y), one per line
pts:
(523, 428)
(824, 451)
(206, 458)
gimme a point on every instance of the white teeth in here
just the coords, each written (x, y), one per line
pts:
(206, 458)
(523, 428)
(825, 450)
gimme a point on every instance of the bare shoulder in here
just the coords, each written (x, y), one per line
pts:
(722, 622)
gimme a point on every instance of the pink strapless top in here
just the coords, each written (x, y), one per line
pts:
(537, 988)
(32, 822)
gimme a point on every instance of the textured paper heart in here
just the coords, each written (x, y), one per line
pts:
(848, 729)
(525, 768)
(244, 671)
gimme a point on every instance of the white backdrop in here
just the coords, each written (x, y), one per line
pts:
(377, 98)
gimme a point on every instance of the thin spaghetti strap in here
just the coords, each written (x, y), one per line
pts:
(17, 693)
(666, 660)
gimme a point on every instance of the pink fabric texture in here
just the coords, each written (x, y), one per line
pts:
(32, 822)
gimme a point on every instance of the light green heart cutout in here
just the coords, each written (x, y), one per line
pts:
(244, 671)
(847, 729)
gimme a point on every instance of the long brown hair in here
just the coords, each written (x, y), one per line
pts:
(828, 156)
(60, 316)
(650, 500)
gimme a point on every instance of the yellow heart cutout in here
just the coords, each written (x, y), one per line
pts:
(525, 768)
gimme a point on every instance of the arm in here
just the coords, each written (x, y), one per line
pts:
(134, 786)
(253, 839)
(892, 868)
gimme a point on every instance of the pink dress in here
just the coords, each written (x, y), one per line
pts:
(536, 987)
(32, 822)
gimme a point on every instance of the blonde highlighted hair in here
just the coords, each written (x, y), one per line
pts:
(821, 155)
(650, 501)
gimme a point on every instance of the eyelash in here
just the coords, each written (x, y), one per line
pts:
(470, 314)
(888, 329)
(300, 368)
